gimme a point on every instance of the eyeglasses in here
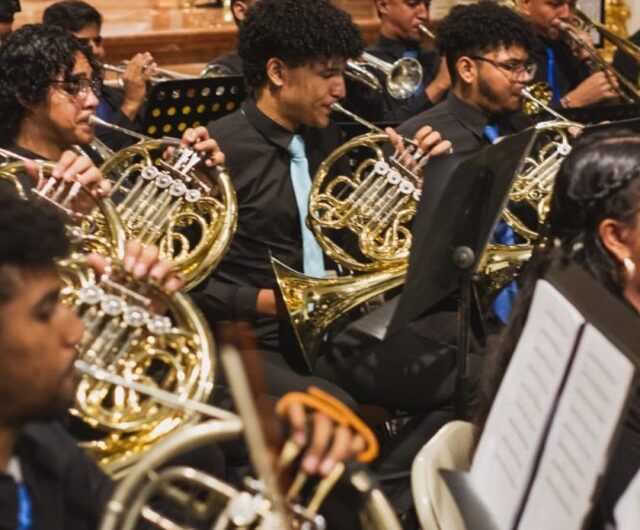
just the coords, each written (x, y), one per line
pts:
(80, 87)
(513, 68)
(97, 41)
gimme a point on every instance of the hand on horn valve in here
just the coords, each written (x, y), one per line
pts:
(200, 141)
(144, 261)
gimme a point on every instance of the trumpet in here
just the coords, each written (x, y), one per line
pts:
(161, 76)
(401, 79)
(631, 94)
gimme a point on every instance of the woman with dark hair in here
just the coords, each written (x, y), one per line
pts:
(595, 221)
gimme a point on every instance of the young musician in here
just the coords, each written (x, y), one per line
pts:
(294, 54)
(46, 480)
(49, 92)
(566, 70)
(231, 63)
(487, 48)
(595, 221)
(400, 37)
(118, 106)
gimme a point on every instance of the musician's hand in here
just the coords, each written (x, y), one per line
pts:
(199, 140)
(144, 261)
(266, 302)
(139, 70)
(437, 89)
(75, 168)
(597, 88)
(327, 443)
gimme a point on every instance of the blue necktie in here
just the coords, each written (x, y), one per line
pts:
(414, 55)
(551, 75)
(504, 235)
(25, 512)
(312, 253)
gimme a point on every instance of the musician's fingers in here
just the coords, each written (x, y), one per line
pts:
(90, 176)
(423, 132)
(161, 270)
(322, 434)
(146, 260)
(395, 139)
(340, 450)
(298, 421)
(79, 166)
(174, 282)
(97, 262)
(441, 148)
(66, 160)
(132, 251)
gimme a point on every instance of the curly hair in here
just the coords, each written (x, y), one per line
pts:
(30, 58)
(479, 28)
(297, 32)
(32, 237)
(72, 15)
(599, 179)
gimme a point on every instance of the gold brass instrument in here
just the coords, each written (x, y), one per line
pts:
(161, 76)
(100, 230)
(376, 204)
(531, 192)
(401, 79)
(164, 200)
(128, 336)
(155, 495)
(631, 93)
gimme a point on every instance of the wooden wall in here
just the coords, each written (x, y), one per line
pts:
(175, 35)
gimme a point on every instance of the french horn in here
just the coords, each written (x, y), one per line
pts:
(137, 332)
(375, 205)
(100, 230)
(164, 199)
(157, 495)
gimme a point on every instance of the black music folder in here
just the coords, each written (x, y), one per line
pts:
(558, 413)
(173, 106)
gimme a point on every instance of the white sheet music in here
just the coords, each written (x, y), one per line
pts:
(627, 510)
(505, 457)
(574, 456)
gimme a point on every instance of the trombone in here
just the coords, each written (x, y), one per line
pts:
(631, 94)
(401, 79)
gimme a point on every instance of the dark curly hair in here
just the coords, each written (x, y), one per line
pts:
(8, 8)
(599, 179)
(32, 237)
(30, 58)
(72, 15)
(297, 32)
(479, 28)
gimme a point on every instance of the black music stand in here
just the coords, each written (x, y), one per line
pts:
(602, 113)
(173, 106)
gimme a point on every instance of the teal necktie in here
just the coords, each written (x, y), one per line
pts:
(312, 253)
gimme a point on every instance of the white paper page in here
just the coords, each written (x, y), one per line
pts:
(506, 452)
(575, 451)
(627, 510)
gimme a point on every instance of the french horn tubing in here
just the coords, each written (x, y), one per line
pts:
(100, 230)
(140, 344)
(157, 495)
(165, 200)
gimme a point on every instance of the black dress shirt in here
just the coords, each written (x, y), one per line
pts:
(230, 64)
(268, 222)
(569, 70)
(382, 107)
(66, 488)
(626, 65)
(460, 123)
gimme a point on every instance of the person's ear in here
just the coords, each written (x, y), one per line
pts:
(276, 72)
(239, 10)
(466, 69)
(524, 6)
(614, 236)
(383, 6)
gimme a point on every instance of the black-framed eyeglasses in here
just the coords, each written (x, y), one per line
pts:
(97, 41)
(513, 68)
(79, 87)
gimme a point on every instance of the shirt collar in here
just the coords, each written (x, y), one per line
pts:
(396, 47)
(272, 131)
(471, 117)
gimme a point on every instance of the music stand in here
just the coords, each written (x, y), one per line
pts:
(174, 106)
